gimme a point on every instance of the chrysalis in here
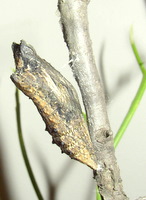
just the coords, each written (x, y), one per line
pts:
(56, 101)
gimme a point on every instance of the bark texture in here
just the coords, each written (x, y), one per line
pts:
(76, 35)
(56, 101)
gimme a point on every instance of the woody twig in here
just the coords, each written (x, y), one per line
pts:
(76, 35)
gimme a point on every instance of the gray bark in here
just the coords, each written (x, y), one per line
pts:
(76, 35)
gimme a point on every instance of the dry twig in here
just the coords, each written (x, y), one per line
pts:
(76, 34)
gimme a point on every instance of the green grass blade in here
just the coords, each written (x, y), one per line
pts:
(135, 51)
(138, 96)
(22, 146)
(131, 112)
(98, 196)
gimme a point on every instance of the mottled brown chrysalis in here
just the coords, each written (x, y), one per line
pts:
(56, 101)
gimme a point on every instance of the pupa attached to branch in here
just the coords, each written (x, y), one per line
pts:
(56, 101)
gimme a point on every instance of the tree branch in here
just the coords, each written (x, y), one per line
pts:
(75, 29)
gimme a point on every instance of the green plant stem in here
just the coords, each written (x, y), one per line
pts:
(131, 112)
(137, 56)
(22, 146)
(98, 196)
(138, 96)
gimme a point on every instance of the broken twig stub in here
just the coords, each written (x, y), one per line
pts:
(56, 101)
